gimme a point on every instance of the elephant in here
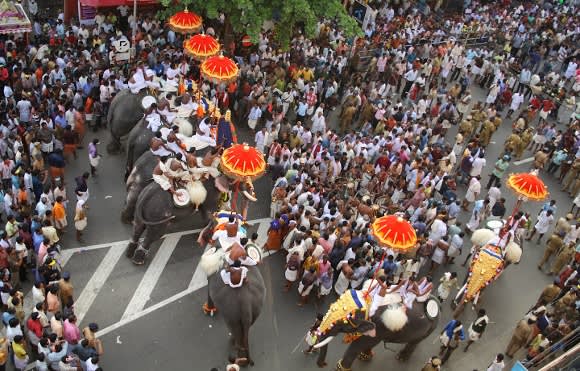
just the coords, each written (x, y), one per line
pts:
(125, 111)
(154, 210)
(240, 307)
(472, 290)
(138, 179)
(392, 323)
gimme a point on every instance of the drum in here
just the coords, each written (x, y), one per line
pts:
(147, 101)
(494, 225)
(432, 308)
(254, 252)
(181, 198)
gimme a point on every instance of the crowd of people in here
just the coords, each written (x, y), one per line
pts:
(385, 149)
(351, 130)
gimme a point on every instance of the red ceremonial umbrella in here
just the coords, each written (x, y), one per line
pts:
(242, 161)
(219, 69)
(528, 186)
(185, 22)
(201, 46)
(395, 232)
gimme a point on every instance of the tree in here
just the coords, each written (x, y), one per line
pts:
(248, 16)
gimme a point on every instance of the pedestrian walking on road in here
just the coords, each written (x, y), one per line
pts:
(521, 336)
(497, 364)
(554, 245)
(94, 156)
(450, 337)
(565, 256)
(80, 219)
(477, 328)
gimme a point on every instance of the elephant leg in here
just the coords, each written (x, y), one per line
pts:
(138, 229)
(209, 307)
(152, 234)
(244, 350)
(114, 145)
(128, 212)
(361, 348)
(321, 361)
(406, 352)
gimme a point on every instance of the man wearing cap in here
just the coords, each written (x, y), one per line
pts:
(521, 336)
(563, 224)
(565, 256)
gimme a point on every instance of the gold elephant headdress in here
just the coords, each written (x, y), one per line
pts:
(343, 309)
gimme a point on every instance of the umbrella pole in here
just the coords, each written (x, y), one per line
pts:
(515, 210)
(235, 196)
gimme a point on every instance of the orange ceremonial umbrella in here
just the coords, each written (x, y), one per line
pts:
(219, 69)
(201, 46)
(394, 232)
(241, 161)
(185, 22)
(528, 185)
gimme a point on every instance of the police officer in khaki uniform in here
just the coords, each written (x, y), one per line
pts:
(521, 336)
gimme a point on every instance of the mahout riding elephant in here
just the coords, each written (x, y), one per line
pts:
(239, 307)
(154, 210)
(139, 178)
(392, 323)
(139, 139)
(125, 111)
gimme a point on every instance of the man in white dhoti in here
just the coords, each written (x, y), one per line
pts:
(137, 81)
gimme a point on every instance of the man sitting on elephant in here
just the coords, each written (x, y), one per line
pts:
(166, 111)
(142, 78)
(235, 275)
(229, 235)
(158, 147)
(169, 173)
(236, 252)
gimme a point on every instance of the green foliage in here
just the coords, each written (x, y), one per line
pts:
(248, 16)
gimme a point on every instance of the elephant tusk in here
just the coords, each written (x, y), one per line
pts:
(324, 342)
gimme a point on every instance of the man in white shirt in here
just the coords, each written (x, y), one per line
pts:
(478, 165)
(260, 139)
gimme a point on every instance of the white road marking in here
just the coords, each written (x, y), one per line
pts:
(93, 287)
(191, 289)
(105, 268)
(145, 288)
(263, 232)
(524, 161)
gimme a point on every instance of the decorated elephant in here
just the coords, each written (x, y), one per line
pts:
(352, 314)
(490, 258)
(154, 210)
(124, 112)
(140, 177)
(239, 307)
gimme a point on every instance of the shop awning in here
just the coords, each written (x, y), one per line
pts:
(106, 3)
(13, 18)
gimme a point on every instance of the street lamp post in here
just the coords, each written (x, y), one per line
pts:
(134, 30)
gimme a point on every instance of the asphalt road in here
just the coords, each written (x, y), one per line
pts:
(150, 316)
